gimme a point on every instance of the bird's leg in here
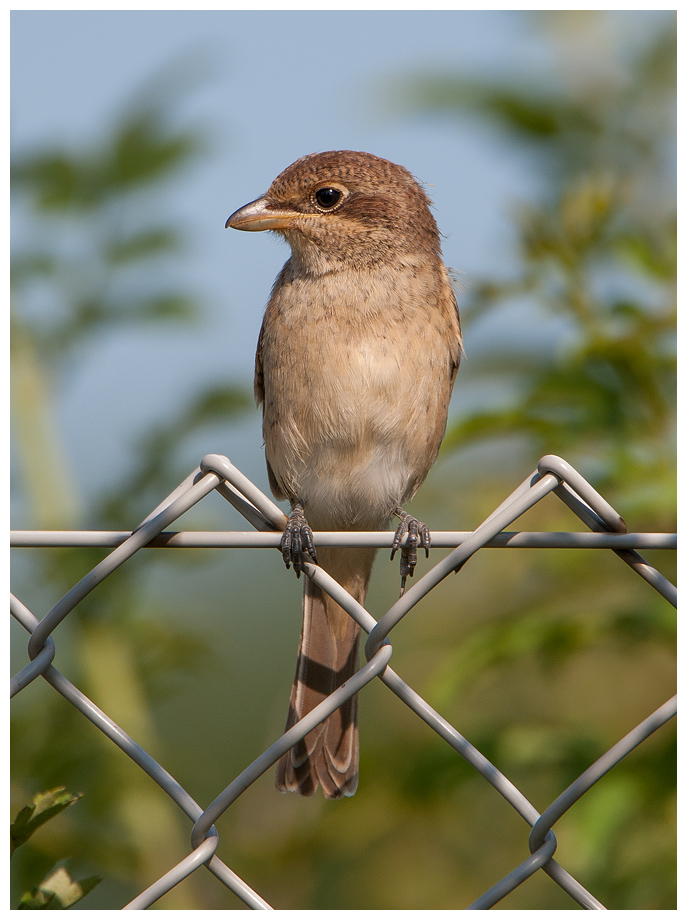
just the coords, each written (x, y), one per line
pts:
(297, 539)
(418, 535)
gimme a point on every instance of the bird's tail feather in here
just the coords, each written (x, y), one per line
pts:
(327, 657)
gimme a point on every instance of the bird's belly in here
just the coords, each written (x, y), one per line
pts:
(364, 445)
(354, 489)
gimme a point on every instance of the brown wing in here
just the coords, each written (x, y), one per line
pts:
(259, 378)
(456, 332)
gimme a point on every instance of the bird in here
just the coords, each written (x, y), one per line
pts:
(355, 366)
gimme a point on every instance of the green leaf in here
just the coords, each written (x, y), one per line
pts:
(161, 307)
(142, 151)
(31, 265)
(58, 891)
(218, 402)
(53, 179)
(522, 109)
(46, 805)
(653, 255)
(141, 245)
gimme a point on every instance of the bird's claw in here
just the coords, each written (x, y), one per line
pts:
(297, 540)
(418, 535)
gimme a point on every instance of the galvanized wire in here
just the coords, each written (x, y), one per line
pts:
(552, 476)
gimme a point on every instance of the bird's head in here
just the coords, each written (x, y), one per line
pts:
(344, 209)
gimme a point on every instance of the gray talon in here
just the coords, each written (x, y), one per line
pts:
(297, 540)
(418, 535)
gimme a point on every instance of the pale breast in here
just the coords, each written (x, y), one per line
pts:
(357, 379)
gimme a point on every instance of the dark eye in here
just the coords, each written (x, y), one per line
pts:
(327, 198)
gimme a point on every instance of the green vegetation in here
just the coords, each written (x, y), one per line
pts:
(57, 891)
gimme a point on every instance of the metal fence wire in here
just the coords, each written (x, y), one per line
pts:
(605, 529)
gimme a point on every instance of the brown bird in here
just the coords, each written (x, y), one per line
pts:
(357, 355)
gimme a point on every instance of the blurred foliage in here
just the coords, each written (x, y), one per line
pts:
(91, 195)
(596, 272)
(541, 659)
(57, 891)
(597, 255)
(97, 262)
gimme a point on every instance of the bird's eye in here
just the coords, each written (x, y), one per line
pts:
(327, 198)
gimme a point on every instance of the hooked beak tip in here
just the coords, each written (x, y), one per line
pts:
(261, 215)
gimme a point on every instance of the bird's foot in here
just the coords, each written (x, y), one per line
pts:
(297, 540)
(418, 535)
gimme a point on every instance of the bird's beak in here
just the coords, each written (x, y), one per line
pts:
(261, 214)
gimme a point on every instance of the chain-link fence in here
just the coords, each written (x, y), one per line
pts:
(606, 530)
